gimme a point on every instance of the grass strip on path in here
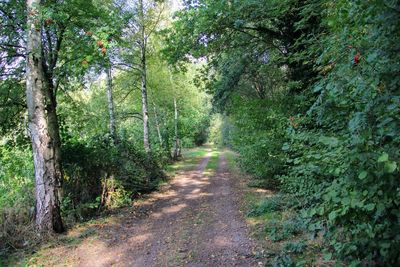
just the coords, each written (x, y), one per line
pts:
(212, 164)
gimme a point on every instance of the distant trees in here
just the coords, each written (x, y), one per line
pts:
(144, 18)
(177, 146)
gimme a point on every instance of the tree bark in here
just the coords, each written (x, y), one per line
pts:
(112, 126)
(177, 149)
(146, 132)
(167, 145)
(158, 125)
(44, 131)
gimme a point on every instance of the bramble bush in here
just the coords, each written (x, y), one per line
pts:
(346, 164)
(330, 136)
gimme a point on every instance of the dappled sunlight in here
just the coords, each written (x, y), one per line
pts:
(175, 208)
(199, 195)
(166, 195)
(267, 192)
(195, 191)
(192, 220)
(140, 238)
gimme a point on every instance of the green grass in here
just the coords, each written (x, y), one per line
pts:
(212, 164)
(190, 159)
(193, 153)
(230, 157)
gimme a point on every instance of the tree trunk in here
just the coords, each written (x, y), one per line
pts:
(158, 125)
(112, 126)
(54, 126)
(167, 145)
(146, 132)
(177, 149)
(43, 126)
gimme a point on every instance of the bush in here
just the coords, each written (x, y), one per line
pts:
(343, 160)
(340, 154)
(99, 175)
(270, 204)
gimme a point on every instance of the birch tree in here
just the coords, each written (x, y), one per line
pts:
(45, 143)
(110, 101)
(58, 37)
(143, 45)
(145, 19)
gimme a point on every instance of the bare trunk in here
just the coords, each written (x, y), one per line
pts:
(111, 106)
(158, 125)
(146, 132)
(43, 126)
(177, 149)
(167, 145)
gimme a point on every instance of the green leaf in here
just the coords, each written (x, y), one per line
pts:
(313, 211)
(328, 256)
(384, 157)
(317, 88)
(363, 175)
(370, 207)
(371, 57)
(329, 141)
(285, 147)
(332, 216)
(390, 167)
(345, 201)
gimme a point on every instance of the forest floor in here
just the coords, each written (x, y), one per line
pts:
(194, 220)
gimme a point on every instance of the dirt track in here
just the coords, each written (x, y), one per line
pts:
(194, 222)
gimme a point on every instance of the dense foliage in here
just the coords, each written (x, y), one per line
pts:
(310, 96)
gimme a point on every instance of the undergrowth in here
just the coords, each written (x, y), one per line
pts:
(97, 177)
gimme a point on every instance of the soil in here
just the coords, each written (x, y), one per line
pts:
(195, 221)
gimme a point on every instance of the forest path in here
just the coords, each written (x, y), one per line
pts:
(194, 221)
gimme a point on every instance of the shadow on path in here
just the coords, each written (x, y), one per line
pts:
(195, 222)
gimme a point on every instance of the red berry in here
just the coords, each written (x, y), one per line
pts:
(357, 59)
